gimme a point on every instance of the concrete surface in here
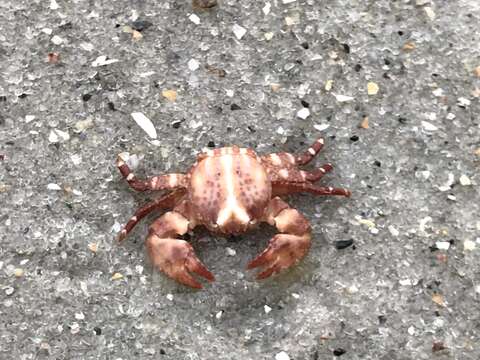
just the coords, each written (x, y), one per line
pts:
(408, 288)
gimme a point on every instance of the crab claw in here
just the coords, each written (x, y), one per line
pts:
(177, 260)
(283, 251)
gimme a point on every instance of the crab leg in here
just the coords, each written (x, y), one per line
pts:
(160, 182)
(286, 188)
(317, 174)
(172, 256)
(308, 155)
(286, 160)
(295, 175)
(286, 249)
(165, 202)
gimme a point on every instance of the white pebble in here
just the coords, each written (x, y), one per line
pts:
(47, 31)
(79, 316)
(57, 40)
(116, 227)
(74, 328)
(405, 282)
(87, 46)
(76, 159)
(321, 127)
(268, 36)
(58, 136)
(219, 314)
(170, 297)
(266, 8)
(438, 92)
(230, 93)
(451, 116)
(442, 245)
(430, 13)
(54, 187)
(288, 1)
(423, 223)
(193, 64)
(231, 252)
(464, 102)
(9, 290)
(282, 355)
(448, 185)
(54, 5)
(239, 31)
(438, 323)
(393, 230)
(103, 60)
(303, 113)
(352, 289)
(425, 174)
(343, 98)
(296, 296)
(267, 309)
(429, 126)
(469, 245)
(145, 123)
(194, 19)
(411, 330)
(465, 180)
(29, 118)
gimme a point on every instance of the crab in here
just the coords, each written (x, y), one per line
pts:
(229, 191)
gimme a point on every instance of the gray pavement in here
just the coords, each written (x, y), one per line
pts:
(392, 86)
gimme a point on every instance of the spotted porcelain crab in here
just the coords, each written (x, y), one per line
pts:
(229, 191)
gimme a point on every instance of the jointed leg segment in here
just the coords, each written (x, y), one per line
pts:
(286, 188)
(160, 182)
(165, 202)
(287, 178)
(308, 155)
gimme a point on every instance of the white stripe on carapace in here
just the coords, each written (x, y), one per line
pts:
(283, 173)
(275, 159)
(172, 180)
(231, 207)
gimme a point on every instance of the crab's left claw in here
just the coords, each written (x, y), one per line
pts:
(177, 260)
(283, 251)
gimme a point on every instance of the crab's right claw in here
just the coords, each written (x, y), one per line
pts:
(177, 260)
(282, 252)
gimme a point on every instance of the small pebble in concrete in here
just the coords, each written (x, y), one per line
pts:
(343, 244)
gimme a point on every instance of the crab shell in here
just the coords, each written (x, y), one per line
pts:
(229, 189)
